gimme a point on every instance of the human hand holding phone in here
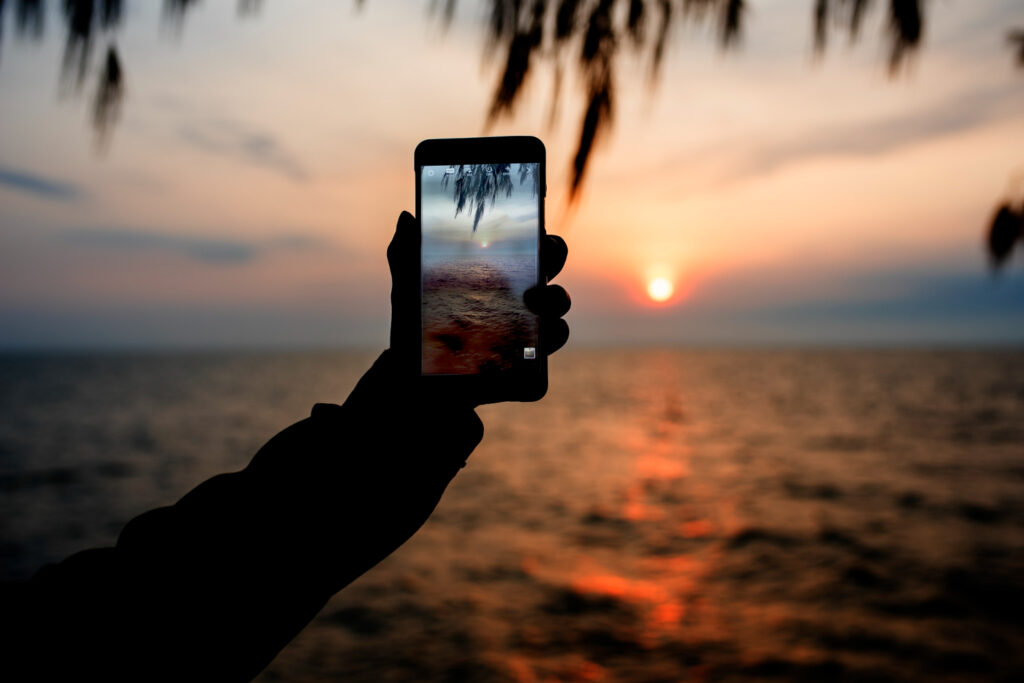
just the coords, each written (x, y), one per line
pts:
(477, 318)
(549, 302)
(319, 504)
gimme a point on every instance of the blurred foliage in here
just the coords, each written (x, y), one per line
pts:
(84, 18)
(526, 32)
(598, 32)
(590, 36)
(474, 186)
(109, 94)
(1006, 229)
(1004, 232)
(1016, 40)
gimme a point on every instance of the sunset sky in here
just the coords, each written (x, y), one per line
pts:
(509, 225)
(248, 193)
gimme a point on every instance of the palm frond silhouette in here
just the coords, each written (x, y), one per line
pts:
(588, 35)
(477, 186)
(598, 31)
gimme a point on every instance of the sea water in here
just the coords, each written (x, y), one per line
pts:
(659, 516)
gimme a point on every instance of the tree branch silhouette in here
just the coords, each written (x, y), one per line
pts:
(1006, 228)
(544, 30)
(589, 34)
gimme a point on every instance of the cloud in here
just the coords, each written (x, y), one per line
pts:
(722, 164)
(46, 188)
(216, 326)
(953, 115)
(213, 250)
(922, 297)
(236, 140)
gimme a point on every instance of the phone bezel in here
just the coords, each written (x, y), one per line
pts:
(519, 385)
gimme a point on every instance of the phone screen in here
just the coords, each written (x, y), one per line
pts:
(480, 227)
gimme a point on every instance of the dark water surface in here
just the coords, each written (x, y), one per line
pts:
(474, 318)
(676, 515)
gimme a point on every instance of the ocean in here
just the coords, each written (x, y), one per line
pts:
(661, 515)
(474, 318)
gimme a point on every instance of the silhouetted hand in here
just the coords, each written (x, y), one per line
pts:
(214, 586)
(354, 482)
(550, 302)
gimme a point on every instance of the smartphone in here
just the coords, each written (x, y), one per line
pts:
(480, 203)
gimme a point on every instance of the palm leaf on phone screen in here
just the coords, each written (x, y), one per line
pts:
(475, 186)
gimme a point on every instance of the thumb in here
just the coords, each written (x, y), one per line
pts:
(404, 246)
(403, 261)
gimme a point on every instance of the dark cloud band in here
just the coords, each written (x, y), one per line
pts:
(38, 186)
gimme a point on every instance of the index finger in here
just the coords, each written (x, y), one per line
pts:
(553, 252)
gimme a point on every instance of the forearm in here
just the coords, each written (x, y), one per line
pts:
(214, 586)
(208, 589)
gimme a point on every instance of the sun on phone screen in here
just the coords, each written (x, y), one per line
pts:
(480, 236)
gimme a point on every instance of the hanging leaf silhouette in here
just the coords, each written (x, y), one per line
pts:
(476, 186)
(529, 32)
(107, 106)
(1004, 232)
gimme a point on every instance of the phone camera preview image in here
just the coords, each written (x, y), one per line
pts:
(480, 237)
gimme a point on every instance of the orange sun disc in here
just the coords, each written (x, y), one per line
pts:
(659, 289)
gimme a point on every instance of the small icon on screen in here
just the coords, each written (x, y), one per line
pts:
(430, 171)
(529, 352)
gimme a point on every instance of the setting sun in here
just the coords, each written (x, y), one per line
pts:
(659, 289)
